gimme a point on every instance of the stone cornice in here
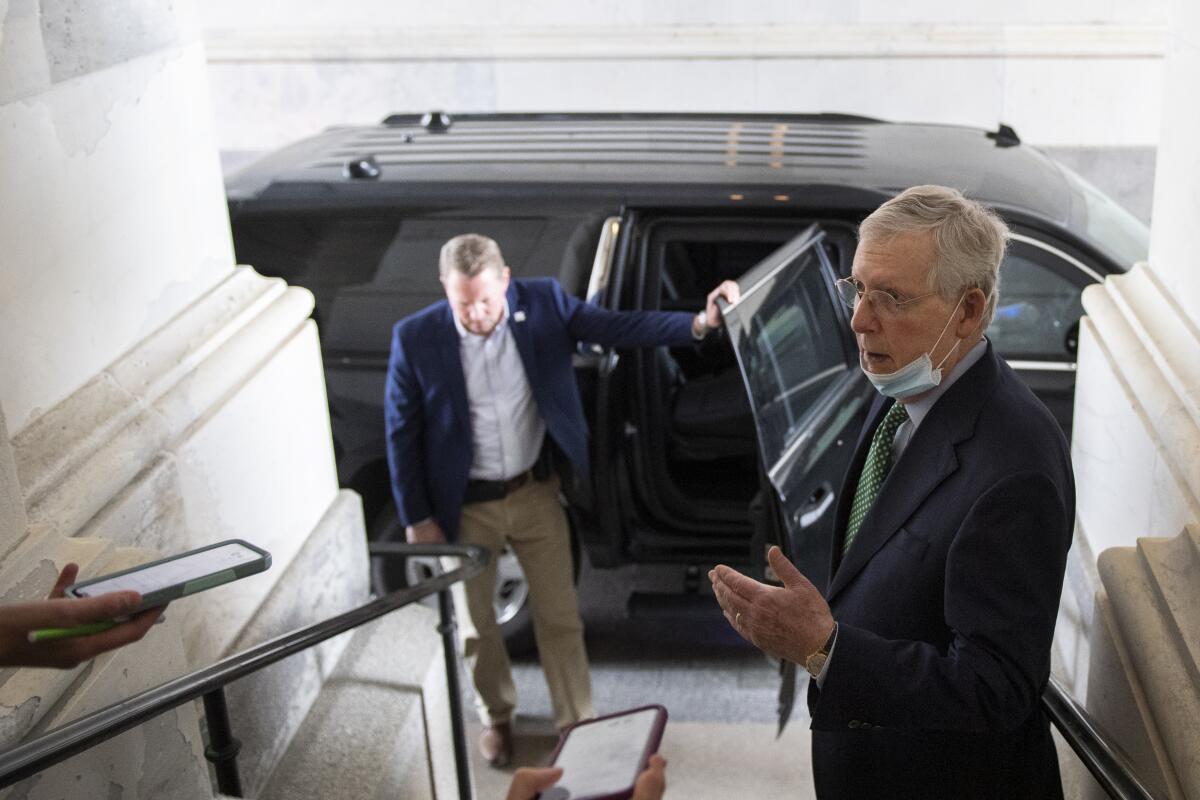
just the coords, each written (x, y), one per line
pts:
(772, 42)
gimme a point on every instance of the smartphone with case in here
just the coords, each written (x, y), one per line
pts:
(167, 579)
(601, 758)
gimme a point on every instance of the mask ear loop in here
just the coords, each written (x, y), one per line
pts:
(947, 325)
(945, 328)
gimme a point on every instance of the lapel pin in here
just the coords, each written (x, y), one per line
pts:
(519, 316)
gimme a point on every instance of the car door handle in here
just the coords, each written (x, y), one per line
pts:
(818, 503)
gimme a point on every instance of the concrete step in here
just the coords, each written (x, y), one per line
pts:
(328, 576)
(366, 735)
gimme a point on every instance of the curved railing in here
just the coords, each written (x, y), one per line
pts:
(1107, 762)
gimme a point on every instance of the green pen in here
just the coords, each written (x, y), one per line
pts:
(50, 634)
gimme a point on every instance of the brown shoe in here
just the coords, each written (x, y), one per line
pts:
(496, 744)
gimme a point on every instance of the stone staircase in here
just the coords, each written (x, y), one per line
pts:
(1146, 667)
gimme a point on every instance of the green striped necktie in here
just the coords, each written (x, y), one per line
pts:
(879, 461)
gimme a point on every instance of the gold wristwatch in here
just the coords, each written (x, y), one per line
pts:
(816, 662)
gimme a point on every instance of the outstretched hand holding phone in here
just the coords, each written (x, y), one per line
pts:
(18, 620)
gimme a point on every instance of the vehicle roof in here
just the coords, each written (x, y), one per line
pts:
(763, 160)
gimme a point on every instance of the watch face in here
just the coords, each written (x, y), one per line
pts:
(815, 663)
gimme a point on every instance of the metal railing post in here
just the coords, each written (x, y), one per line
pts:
(223, 748)
(447, 628)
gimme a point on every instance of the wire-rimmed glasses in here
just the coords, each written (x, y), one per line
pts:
(883, 302)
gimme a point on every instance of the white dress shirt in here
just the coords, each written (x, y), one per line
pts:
(506, 427)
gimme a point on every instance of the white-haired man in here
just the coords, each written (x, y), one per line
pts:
(931, 649)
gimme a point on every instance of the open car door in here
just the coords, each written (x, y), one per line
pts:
(809, 399)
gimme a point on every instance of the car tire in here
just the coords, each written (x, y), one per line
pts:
(511, 598)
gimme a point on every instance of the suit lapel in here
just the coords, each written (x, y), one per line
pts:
(927, 461)
(522, 333)
(451, 353)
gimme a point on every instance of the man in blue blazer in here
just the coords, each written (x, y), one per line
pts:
(477, 386)
(931, 649)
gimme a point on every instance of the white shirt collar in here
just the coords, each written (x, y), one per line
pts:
(918, 409)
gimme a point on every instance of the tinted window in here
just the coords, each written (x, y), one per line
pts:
(787, 340)
(369, 271)
(1038, 305)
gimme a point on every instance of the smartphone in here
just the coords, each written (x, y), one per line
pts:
(177, 576)
(601, 758)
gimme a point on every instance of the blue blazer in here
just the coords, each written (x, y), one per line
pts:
(946, 605)
(425, 398)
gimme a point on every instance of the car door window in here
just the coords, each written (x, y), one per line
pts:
(787, 336)
(1038, 306)
(369, 270)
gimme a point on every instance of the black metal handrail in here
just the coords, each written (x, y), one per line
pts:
(30, 758)
(1109, 765)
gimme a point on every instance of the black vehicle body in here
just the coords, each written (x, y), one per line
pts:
(652, 211)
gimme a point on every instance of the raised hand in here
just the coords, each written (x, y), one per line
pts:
(790, 621)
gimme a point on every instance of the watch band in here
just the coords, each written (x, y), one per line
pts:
(816, 662)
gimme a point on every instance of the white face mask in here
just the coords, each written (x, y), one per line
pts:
(917, 376)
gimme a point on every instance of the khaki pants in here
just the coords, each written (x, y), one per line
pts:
(532, 522)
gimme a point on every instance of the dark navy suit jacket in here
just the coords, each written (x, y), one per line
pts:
(425, 400)
(946, 605)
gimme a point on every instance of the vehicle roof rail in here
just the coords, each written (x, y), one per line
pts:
(436, 121)
(409, 119)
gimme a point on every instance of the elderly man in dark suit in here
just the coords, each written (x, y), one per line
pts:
(477, 385)
(931, 649)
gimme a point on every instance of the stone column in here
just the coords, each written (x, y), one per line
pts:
(1136, 450)
(155, 397)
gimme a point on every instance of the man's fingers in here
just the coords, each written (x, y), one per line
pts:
(126, 632)
(64, 613)
(653, 781)
(67, 653)
(65, 579)
(100, 608)
(731, 291)
(528, 781)
(728, 600)
(791, 577)
(739, 584)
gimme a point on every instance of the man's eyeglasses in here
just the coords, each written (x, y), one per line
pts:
(884, 303)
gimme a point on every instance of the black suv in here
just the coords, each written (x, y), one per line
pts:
(695, 460)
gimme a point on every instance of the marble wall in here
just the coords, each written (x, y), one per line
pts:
(1137, 460)
(1063, 73)
(114, 215)
(155, 397)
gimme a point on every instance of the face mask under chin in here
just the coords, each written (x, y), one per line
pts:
(917, 376)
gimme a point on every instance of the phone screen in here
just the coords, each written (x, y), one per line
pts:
(604, 757)
(173, 572)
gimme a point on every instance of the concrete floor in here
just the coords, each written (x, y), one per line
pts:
(720, 694)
